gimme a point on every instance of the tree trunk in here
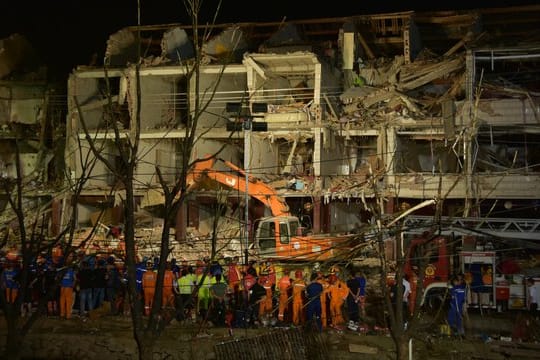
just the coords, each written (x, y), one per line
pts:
(14, 340)
(402, 347)
(145, 345)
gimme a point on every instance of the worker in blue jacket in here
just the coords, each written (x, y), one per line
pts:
(457, 301)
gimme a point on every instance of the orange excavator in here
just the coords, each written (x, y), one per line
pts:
(280, 236)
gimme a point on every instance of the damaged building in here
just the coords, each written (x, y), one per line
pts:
(359, 112)
(32, 133)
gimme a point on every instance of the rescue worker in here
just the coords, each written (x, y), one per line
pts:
(85, 280)
(233, 279)
(112, 289)
(362, 281)
(140, 269)
(313, 296)
(352, 298)
(10, 281)
(48, 288)
(218, 292)
(100, 283)
(67, 284)
(149, 279)
(324, 298)
(265, 307)
(267, 269)
(337, 292)
(284, 287)
(257, 294)
(248, 280)
(186, 283)
(298, 288)
(203, 294)
(457, 301)
(168, 285)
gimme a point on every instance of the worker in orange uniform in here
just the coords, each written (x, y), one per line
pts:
(324, 296)
(337, 292)
(298, 287)
(265, 306)
(67, 284)
(284, 286)
(149, 279)
(233, 279)
(169, 280)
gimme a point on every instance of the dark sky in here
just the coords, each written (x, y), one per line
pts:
(67, 32)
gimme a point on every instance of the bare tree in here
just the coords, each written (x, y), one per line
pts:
(146, 330)
(26, 224)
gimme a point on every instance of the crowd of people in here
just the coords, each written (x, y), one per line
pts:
(234, 295)
(65, 287)
(225, 293)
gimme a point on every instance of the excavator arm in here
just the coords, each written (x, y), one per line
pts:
(235, 179)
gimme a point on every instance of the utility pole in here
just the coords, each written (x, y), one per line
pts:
(247, 160)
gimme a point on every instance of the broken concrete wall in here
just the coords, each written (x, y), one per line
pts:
(264, 154)
(332, 150)
(163, 100)
(419, 155)
(289, 83)
(89, 92)
(500, 112)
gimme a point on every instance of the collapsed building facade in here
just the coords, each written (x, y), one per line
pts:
(32, 133)
(361, 111)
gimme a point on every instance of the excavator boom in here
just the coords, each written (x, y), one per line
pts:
(235, 178)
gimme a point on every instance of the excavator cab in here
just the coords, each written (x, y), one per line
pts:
(274, 235)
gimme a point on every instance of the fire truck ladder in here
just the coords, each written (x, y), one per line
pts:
(525, 229)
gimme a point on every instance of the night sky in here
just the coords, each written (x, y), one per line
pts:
(66, 33)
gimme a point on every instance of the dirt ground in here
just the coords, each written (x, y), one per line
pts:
(488, 336)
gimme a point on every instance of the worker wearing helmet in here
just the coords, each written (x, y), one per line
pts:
(269, 270)
(149, 280)
(265, 306)
(338, 292)
(168, 286)
(298, 288)
(284, 287)
(324, 298)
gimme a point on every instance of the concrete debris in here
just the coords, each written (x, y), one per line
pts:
(176, 45)
(122, 48)
(362, 349)
(230, 44)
